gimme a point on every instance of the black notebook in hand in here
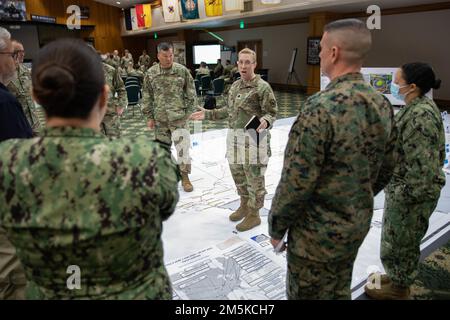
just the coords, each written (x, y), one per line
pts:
(252, 125)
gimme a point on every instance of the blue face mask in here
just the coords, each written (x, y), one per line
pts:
(395, 91)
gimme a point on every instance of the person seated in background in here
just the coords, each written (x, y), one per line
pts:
(116, 59)
(127, 57)
(203, 69)
(145, 60)
(89, 203)
(218, 70)
(134, 71)
(227, 69)
(229, 75)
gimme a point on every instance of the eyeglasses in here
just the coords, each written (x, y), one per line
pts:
(12, 54)
(246, 63)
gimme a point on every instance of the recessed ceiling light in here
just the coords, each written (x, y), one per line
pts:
(118, 2)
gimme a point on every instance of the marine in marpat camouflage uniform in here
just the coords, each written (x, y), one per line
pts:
(415, 187)
(249, 96)
(169, 98)
(333, 167)
(20, 87)
(117, 101)
(75, 198)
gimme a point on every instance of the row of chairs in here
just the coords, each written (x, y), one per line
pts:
(205, 87)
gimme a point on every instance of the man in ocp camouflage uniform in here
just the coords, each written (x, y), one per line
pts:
(116, 59)
(250, 96)
(20, 87)
(338, 157)
(116, 104)
(126, 59)
(144, 60)
(169, 98)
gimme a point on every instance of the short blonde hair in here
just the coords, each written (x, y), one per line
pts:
(248, 51)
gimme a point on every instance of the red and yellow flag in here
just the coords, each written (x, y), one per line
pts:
(144, 15)
(148, 15)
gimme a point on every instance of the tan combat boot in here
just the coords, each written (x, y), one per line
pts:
(187, 186)
(387, 291)
(241, 212)
(251, 220)
(384, 279)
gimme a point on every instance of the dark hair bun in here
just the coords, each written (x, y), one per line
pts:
(68, 77)
(437, 84)
(55, 85)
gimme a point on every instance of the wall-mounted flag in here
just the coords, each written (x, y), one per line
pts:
(171, 10)
(213, 8)
(270, 1)
(147, 15)
(134, 22)
(190, 9)
(234, 5)
(140, 15)
(128, 25)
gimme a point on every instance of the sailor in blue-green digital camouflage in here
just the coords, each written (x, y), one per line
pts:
(415, 187)
(20, 87)
(168, 99)
(338, 157)
(73, 197)
(249, 96)
(117, 101)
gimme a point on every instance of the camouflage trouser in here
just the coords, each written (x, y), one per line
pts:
(248, 164)
(12, 277)
(250, 183)
(178, 131)
(404, 226)
(111, 126)
(311, 280)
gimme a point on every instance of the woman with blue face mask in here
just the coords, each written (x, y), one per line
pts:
(414, 190)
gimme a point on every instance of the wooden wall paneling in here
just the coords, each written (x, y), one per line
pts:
(106, 19)
(317, 22)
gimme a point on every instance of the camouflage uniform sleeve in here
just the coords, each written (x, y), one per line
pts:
(147, 98)
(304, 156)
(216, 114)
(119, 88)
(190, 95)
(268, 105)
(388, 164)
(420, 160)
(168, 183)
